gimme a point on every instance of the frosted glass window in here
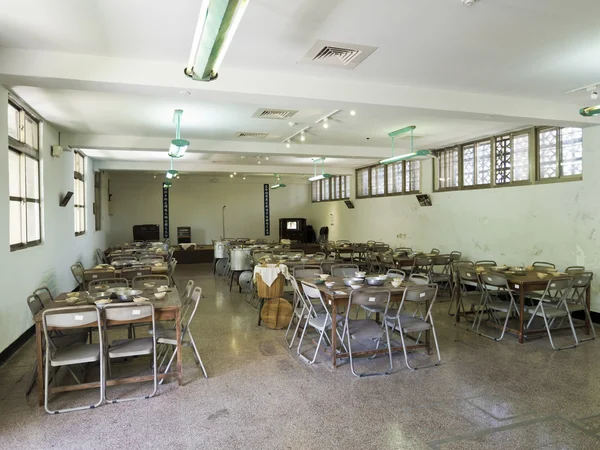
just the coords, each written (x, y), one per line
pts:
(377, 180)
(13, 122)
(548, 153)
(362, 182)
(571, 142)
(520, 162)
(79, 193)
(394, 177)
(448, 170)
(484, 162)
(413, 176)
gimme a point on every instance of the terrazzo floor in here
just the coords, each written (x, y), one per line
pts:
(260, 395)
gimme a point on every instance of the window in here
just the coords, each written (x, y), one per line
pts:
(98, 200)
(560, 153)
(334, 188)
(23, 178)
(557, 152)
(393, 179)
(79, 193)
(448, 170)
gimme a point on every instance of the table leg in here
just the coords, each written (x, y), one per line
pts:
(261, 303)
(333, 334)
(588, 299)
(179, 349)
(40, 363)
(521, 312)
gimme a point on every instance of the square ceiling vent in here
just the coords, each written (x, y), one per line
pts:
(277, 114)
(251, 136)
(337, 54)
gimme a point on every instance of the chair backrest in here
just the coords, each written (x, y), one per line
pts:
(187, 292)
(396, 273)
(419, 279)
(455, 256)
(372, 297)
(422, 264)
(320, 255)
(294, 252)
(380, 248)
(312, 292)
(435, 251)
(149, 281)
(35, 304)
(572, 270)
(344, 270)
(100, 256)
(486, 262)
(128, 312)
(70, 317)
(188, 315)
(99, 285)
(327, 265)
(543, 265)
(385, 258)
(98, 274)
(441, 260)
(494, 280)
(129, 273)
(306, 271)
(581, 281)
(44, 294)
(557, 289)
(420, 294)
(403, 250)
(77, 270)
(468, 274)
(130, 258)
(152, 260)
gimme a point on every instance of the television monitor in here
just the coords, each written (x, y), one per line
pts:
(291, 225)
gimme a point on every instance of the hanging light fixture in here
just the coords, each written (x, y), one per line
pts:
(178, 145)
(590, 111)
(419, 154)
(172, 173)
(323, 175)
(167, 184)
(217, 23)
(279, 183)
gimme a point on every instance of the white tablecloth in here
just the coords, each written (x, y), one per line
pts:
(186, 246)
(270, 272)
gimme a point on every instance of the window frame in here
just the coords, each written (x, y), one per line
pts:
(533, 158)
(24, 151)
(385, 180)
(343, 189)
(79, 176)
(97, 206)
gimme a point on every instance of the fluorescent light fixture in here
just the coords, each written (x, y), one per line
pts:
(277, 186)
(320, 177)
(590, 111)
(171, 174)
(323, 175)
(419, 154)
(178, 146)
(218, 21)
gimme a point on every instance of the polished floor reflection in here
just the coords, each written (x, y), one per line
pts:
(259, 395)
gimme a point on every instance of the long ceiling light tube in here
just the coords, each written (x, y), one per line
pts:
(279, 183)
(590, 111)
(419, 154)
(218, 21)
(323, 175)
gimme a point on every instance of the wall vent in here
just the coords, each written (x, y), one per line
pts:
(252, 136)
(337, 54)
(278, 114)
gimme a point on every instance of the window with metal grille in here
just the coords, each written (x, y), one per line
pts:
(393, 179)
(448, 169)
(335, 188)
(25, 227)
(362, 182)
(395, 175)
(413, 177)
(79, 193)
(377, 180)
(560, 153)
(98, 200)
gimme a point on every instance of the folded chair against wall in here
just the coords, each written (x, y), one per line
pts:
(77, 270)
(76, 354)
(576, 300)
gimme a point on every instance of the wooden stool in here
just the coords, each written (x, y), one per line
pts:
(276, 313)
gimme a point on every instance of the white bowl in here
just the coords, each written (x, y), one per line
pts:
(102, 302)
(324, 276)
(162, 288)
(330, 284)
(396, 283)
(356, 286)
(360, 274)
(72, 300)
(160, 295)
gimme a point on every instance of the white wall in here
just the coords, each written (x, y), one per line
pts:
(47, 264)
(196, 201)
(557, 222)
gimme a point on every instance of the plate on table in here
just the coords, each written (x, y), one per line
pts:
(100, 303)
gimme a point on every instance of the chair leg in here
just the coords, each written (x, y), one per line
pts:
(197, 353)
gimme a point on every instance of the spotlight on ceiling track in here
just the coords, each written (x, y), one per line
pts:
(326, 122)
(287, 144)
(352, 113)
(302, 136)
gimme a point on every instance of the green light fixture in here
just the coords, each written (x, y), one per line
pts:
(323, 175)
(279, 183)
(171, 173)
(217, 23)
(167, 184)
(590, 111)
(419, 154)
(178, 145)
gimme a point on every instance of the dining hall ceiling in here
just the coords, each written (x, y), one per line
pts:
(109, 74)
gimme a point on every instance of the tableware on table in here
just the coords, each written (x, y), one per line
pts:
(100, 303)
(319, 280)
(330, 284)
(356, 286)
(396, 282)
(148, 285)
(123, 293)
(382, 277)
(159, 295)
(303, 259)
(360, 274)
(542, 275)
(518, 270)
(374, 281)
(99, 295)
(499, 268)
(72, 294)
(72, 300)
(324, 276)
(162, 288)
(158, 264)
(353, 280)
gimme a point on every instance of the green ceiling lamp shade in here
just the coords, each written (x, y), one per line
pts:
(590, 111)
(171, 173)
(419, 154)
(167, 184)
(279, 183)
(217, 23)
(323, 175)
(178, 146)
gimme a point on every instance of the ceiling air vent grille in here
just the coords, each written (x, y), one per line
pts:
(337, 54)
(252, 136)
(278, 114)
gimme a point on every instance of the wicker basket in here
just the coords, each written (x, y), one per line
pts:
(273, 291)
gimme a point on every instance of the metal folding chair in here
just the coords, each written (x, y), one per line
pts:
(440, 271)
(419, 278)
(306, 271)
(321, 322)
(576, 301)
(62, 319)
(435, 251)
(552, 305)
(123, 314)
(422, 298)
(367, 331)
(495, 287)
(149, 281)
(300, 312)
(422, 265)
(129, 273)
(107, 283)
(468, 300)
(541, 265)
(78, 270)
(396, 273)
(344, 270)
(97, 274)
(572, 270)
(486, 263)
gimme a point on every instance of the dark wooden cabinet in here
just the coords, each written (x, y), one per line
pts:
(184, 235)
(292, 229)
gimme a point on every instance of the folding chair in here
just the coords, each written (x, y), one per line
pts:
(300, 311)
(467, 278)
(405, 324)
(441, 276)
(576, 301)
(169, 337)
(434, 251)
(124, 314)
(486, 263)
(572, 270)
(149, 281)
(78, 271)
(367, 331)
(396, 273)
(129, 273)
(306, 271)
(419, 278)
(455, 256)
(97, 274)
(542, 265)
(495, 286)
(422, 265)
(321, 322)
(552, 305)
(344, 270)
(68, 318)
